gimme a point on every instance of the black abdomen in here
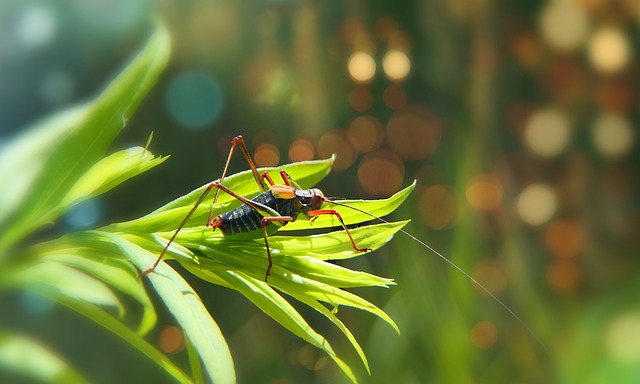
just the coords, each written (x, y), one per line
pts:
(247, 219)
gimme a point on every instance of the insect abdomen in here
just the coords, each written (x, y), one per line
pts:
(246, 219)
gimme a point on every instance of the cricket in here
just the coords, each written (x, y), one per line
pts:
(280, 204)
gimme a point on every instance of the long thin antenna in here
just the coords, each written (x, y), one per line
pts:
(451, 263)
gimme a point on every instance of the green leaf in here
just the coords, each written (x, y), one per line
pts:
(298, 285)
(378, 208)
(306, 173)
(194, 361)
(54, 280)
(109, 173)
(118, 328)
(65, 286)
(334, 319)
(187, 308)
(22, 159)
(33, 361)
(114, 272)
(274, 305)
(304, 255)
(85, 142)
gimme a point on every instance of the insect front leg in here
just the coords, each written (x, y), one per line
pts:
(288, 180)
(318, 212)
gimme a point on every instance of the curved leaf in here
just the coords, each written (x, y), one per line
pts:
(117, 273)
(29, 359)
(110, 172)
(274, 305)
(85, 142)
(188, 310)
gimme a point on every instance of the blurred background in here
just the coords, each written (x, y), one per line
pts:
(519, 121)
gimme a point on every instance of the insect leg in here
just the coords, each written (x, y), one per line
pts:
(265, 176)
(269, 215)
(256, 175)
(262, 209)
(318, 212)
(182, 224)
(265, 221)
(288, 180)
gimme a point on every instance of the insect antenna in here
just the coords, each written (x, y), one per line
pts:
(454, 265)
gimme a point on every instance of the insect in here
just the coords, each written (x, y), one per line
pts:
(280, 204)
(263, 215)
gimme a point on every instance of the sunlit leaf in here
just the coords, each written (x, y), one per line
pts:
(188, 310)
(274, 305)
(114, 272)
(85, 142)
(32, 361)
(110, 172)
(54, 279)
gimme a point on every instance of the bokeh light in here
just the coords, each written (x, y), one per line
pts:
(361, 67)
(564, 275)
(564, 25)
(396, 65)
(35, 304)
(527, 49)
(491, 274)
(380, 173)
(361, 98)
(565, 238)
(171, 340)
(224, 144)
(301, 150)
(566, 81)
(484, 334)
(309, 358)
(365, 133)
(335, 142)
(267, 155)
(36, 27)
(350, 29)
(195, 99)
(622, 338)
(395, 96)
(615, 95)
(484, 192)
(609, 50)
(85, 214)
(438, 207)
(547, 133)
(536, 204)
(414, 132)
(613, 136)
(57, 88)
(112, 15)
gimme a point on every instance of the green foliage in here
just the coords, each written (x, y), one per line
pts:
(62, 162)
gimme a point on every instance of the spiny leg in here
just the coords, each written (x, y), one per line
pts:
(182, 224)
(319, 212)
(262, 209)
